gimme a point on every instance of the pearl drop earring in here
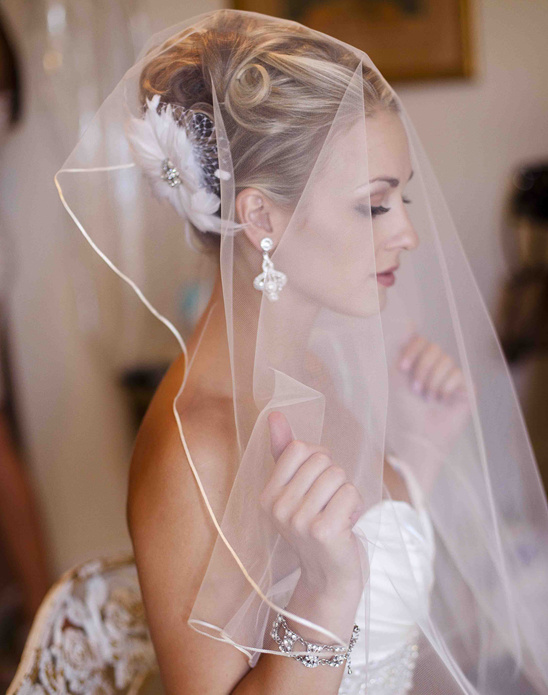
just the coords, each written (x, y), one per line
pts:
(270, 281)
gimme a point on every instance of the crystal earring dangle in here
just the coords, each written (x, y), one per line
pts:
(270, 281)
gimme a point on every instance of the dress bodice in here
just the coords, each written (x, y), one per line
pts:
(401, 578)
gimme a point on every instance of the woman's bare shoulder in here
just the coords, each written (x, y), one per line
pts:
(159, 464)
(172, 531)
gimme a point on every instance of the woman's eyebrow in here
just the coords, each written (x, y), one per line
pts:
(394, 183)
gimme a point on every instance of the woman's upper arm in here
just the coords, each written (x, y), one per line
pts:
(173, 537)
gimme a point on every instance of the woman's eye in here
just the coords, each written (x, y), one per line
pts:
(372, 211)
(375, 210)
(378, 210)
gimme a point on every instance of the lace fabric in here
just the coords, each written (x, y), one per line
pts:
(90, 635)
(391, 675)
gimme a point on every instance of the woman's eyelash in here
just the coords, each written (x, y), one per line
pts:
(378, 210)
(375, 210)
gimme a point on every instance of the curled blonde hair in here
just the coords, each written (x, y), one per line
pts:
(279, 86)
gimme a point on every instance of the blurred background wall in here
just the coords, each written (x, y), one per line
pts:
(74, 416)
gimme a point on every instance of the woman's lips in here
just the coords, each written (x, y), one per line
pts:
(386, 279)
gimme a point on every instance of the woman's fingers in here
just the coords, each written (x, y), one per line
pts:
(340, 514)
(331, 493)
(437, 376)
(319, 494)
(289, 461)
(303, 481)
(411, 352)
(305, 477)
(292, 458)
(452, 384)
(432, 372)
(287, 496)
(424, 364)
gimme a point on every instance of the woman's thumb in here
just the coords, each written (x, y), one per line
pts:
(280, 433)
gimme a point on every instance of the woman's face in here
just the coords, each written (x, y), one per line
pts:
(352, 221)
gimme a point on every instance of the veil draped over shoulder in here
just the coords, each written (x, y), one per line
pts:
(455, 577)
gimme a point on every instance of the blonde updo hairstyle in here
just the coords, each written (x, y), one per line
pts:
(279, 86)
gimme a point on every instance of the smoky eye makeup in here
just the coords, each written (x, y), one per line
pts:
(376, 210)
(368, 209)
(371, 211)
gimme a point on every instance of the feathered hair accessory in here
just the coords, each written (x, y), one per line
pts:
(177, 150)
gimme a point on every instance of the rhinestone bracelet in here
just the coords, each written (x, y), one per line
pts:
(311, 659)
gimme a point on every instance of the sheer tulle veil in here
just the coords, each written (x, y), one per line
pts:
(267, 103)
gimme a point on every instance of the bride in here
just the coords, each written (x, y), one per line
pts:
(319, 475)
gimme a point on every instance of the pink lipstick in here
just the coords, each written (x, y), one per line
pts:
(387, 278)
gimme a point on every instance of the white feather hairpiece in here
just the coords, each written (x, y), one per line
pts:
(170, 157)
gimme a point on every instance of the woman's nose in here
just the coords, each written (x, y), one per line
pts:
(405, 235)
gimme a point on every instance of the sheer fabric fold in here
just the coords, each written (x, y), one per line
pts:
(455, 579)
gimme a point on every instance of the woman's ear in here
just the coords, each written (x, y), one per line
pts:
(255, 210)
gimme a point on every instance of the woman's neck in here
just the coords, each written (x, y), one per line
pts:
(291, 315)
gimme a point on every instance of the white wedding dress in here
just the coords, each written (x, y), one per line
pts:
(393, 634)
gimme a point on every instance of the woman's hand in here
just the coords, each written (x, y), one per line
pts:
(314, 508)
(433, 373)
(431, 404)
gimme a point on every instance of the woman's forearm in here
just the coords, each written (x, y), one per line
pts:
(334, 610)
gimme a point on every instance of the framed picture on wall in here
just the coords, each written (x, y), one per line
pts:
(406, 39)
